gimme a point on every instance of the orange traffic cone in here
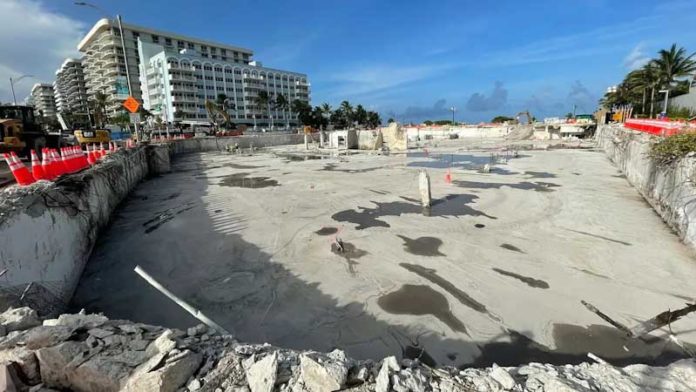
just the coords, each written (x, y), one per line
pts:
(19, 171)
(57, 163)
(46, 164)
(36, 168)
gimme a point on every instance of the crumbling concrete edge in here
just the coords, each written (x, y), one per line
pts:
(669, 189)
(48, 229)
(89, 352)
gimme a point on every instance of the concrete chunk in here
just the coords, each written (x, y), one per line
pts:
(262, 375)
(167, 378)
(330, 375)
(19, 319)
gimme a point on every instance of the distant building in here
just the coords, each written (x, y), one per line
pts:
(69, 88)
(176, 84)
(105, 71)
(43, 99)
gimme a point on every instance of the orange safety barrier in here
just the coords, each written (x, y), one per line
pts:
(19, 171)
(659, 127)
(36, 168)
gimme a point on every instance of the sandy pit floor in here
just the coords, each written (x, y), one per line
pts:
(493, 272)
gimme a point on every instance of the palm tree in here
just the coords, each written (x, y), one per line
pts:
(347, 113)
(282, 103)
(213, 111)
(674, 63)
(224, 103)
(360, 115)
(264, 99)
(99, 108)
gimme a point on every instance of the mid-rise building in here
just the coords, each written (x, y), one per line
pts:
(69, 88)
(43, 99)
(106, 54)
(176, 83)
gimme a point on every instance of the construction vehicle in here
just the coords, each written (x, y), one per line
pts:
(89, 136)
(19, 132)
(86, 136)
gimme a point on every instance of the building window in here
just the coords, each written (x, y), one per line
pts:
(190, 45)
(155, 39)
(218, 79)
(204, 55)
(218, 69)
(213, 50)
(135, 34)
(223, 58)
(168, 41)
(207, 68)
(180, 44)
(204, 48)
(214, 57)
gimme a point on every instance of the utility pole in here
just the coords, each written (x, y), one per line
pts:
(453, 109)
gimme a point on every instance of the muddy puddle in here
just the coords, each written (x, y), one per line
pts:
(538, 174)
(422, 246)
(349, 252)
(326, 231)
(524, 185)
(432, 276)
(420, 300)
(301, 157)
(332, 167)
(511, 247)
(449, 206)
(241, 180)
(531, 282)
(456, 161)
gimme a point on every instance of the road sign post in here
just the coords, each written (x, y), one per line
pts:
(132, 105)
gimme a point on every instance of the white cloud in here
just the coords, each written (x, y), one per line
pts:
(636, 58)
(33, 41)
(374, 78)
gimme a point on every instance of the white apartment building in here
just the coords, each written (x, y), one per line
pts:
(105, 59)
(176, 83)
(69, 88)
(43, 99)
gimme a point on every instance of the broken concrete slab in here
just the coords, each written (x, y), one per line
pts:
(18, 319)
(168, 378)
(75, 321)
(262, 374)
(26, 361)
(322, 373)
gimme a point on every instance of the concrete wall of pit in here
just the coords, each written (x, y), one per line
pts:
(669, 189)
(48, 229)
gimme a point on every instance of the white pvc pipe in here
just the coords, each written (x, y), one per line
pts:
(193, 311)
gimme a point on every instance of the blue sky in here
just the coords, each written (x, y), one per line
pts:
(408, 59)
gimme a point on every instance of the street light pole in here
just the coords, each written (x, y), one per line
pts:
(453, 109)
(12, 82)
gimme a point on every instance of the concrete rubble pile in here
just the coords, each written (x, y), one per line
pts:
(88, 352)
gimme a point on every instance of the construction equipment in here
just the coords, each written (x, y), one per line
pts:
(90, 136)
(530, 119)
(20, 133)
(85, 136)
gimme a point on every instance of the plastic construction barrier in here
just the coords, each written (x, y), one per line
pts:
(659, 127)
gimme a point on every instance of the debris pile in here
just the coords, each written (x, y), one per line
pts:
(88, 352)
